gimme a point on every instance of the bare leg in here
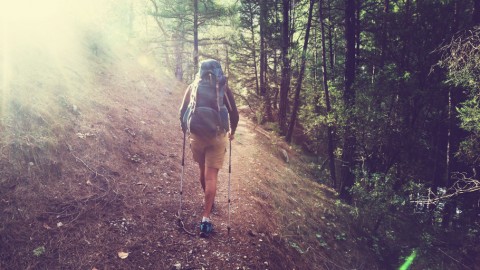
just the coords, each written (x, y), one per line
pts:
(202, 175)
(211, 176)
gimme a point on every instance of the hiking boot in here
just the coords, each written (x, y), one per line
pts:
(206, 228)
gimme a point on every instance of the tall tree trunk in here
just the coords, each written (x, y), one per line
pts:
(454, 136)
(254, 50)
(263, 61)
(358, 6)
(195, 36)
(448, 211)
(386, 11)
(330, 40)
(330, 129)
(316, 65)
(348, 177)
(276, 63)
(285, 84)
(165, 34)
(178, 56)
(263, 14)
(296, 103)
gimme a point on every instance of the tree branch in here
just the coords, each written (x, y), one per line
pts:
(463, 185)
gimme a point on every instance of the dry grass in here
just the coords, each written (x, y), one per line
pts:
(305, 223)
(89, 166)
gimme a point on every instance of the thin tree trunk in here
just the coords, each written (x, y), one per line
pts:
(263, 61)
(285, 84)
(275, 79)
(276, 59)
(452, 141)
(227, 61)
(263, 12)
(159, 24)
(357, 31)
(178, 57)
(448, 209)
(330, 129)
(386, 11)
(195, 36)
(296, 103)
(330, 40)
(317, 108)
(348, 178)
(254, 51)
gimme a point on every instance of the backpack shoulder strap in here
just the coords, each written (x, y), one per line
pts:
(193, 95)
(228, 99)
(217, 88)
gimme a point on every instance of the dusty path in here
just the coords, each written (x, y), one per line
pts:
(246, 246)
(110, 185)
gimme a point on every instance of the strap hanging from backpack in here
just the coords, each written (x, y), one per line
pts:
(226, 97)
(218, 101)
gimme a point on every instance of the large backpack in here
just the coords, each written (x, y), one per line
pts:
(207, 114)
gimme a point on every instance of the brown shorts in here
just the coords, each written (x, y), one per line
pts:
(210, 152)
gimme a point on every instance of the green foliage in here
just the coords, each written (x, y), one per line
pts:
(39, 251)
(469, 113)
(297, 247)
(322, 241)
(400, 119)
(377, 210)
(341, 236)
(461, 58)
(174, 22)
(378, 198)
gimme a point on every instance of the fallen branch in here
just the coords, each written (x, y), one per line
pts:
(463, 185)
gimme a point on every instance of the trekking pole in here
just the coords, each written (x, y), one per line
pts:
(181, 179)
(229, 176)
(179, 220)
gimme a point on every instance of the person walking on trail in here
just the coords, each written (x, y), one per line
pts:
(209, 114)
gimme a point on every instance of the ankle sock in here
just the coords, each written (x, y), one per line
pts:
(205, 219)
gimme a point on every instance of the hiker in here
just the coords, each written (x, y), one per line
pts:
(207, 107)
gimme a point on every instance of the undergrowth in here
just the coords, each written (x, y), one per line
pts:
(395, 227)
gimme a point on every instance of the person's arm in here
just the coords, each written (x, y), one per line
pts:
(183, 108)
(229, 100)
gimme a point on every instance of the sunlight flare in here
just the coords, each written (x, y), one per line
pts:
(45, 47)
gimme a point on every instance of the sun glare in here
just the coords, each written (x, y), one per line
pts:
(40, 40)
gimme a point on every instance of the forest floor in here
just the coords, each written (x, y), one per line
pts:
(93, 183)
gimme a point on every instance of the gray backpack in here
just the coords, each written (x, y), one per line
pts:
(207, 114)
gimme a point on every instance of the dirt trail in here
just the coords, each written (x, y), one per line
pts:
(247, 245)
(111, 184)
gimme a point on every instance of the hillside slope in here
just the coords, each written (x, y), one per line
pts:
(90, 167)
